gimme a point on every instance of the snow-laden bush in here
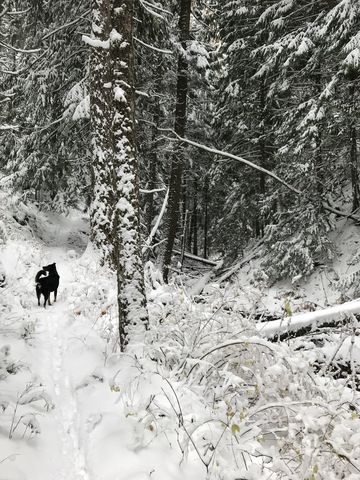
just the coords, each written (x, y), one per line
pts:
(242, 406)
(20, 403)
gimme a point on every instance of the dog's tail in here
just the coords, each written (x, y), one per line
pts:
(39, 274)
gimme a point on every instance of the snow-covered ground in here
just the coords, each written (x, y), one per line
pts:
(68, 408)
(205, 396)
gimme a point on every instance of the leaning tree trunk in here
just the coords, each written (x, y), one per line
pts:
(179, 127)
(125, 218)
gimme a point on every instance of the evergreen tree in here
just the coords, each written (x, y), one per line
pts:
(281, 67)
(48, 158)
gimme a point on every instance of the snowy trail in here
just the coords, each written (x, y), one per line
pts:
(90, 402)
(58, 452)
(52, 345)
(66, 413)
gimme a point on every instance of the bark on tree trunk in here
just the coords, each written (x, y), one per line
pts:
(353, 151)
(180, 123)
(206, 218)
(125, 219)
(354, 169)
(100, 115)
(319, 163)
(115, 207)
(195, 219)
(153, 160)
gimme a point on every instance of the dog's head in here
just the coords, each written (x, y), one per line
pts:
(50, 268)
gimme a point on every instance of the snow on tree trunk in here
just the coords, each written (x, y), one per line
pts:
(115, 207)
(101, 116)
(125, 218)
(180, 123)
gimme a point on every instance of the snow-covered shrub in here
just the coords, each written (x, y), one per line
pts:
(242, 406)
(18, 416)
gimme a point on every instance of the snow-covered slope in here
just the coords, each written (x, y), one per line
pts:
(332, 283)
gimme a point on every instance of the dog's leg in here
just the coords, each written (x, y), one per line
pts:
(38, 294)
(55, 295)
(47, 299)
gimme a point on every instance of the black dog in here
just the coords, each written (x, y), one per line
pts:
(47, 284)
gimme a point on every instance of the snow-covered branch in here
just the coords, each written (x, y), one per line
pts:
(255, 167)
(155, 7)
(19, 50)
(233, 157)
(160, 50)
(9, 127)
(66, 25)
(17, 12)
(28, 67)
(149, 8)
(154, 190)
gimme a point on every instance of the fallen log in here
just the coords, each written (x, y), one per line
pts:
(190, 256)
(305, 322)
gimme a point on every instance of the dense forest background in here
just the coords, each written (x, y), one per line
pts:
(271, 82)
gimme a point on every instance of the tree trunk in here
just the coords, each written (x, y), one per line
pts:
(206, 218)
(153, 160)
(180, 123)
(100, 115)
(354, 169)
(195, 219)
(353, 151)
(318, 154)
(125, 218)
(115, 208)
(263, 160)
